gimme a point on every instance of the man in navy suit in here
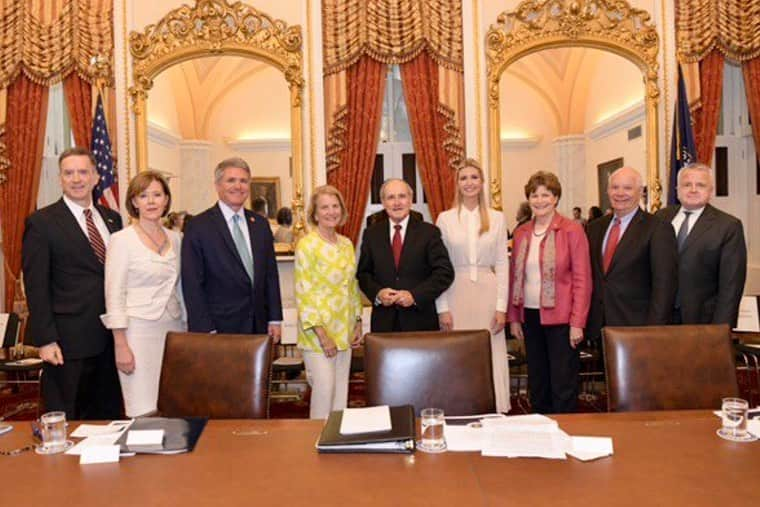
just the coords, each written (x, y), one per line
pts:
(634, 261)
(63, 252)
(229, 271)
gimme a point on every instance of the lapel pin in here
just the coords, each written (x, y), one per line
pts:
(252, 219)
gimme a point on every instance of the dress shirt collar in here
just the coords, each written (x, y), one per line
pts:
(229, 212)
(626, 219)
(695, 213)
(76, 209)
(403, 225)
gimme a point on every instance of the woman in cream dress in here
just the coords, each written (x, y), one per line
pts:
(476, 238)
(143, 297)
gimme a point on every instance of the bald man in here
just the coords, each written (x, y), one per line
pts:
(634, 261)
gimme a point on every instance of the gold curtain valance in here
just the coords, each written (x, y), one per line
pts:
(48, 39)
(391, 31)
(732, 26)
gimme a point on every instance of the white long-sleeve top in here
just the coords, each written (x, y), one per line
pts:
(467, 249)
(139, 282)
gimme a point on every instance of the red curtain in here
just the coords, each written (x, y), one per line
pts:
(24, 137)
(427, 120)
(705, 119)
(364, 104)
(79, 101)
(751, 69)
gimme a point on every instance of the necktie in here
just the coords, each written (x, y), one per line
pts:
(96, 240)
(396, 245)
(239, 240)
(612, 242)
(683, 231)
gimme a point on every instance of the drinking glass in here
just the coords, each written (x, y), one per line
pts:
(53, 432)
(734, 420)
(432, 431)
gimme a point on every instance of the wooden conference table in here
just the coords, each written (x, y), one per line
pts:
(663, 458)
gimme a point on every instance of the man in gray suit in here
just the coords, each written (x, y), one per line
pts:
(712, 254)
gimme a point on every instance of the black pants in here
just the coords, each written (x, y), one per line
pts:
(553, 366)
(86, 388)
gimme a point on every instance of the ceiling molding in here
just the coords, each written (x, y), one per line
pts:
(259, 145)
(520, 143)
(163, 136)
(624, 119)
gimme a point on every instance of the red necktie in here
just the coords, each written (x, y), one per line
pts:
(612, 243)
(396, 245)
(96, 240)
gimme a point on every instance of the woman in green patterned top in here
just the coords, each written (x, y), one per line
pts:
(328, 301)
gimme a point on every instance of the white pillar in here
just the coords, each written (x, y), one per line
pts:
(570, 161)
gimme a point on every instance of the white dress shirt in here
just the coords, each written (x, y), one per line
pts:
(228, 214)
(681, 216)
(97, 218)
(404, 223)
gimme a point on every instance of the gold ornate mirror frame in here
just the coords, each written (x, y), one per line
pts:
(609, 25)
(216, 27)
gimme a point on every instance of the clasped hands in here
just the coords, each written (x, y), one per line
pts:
(390, 297)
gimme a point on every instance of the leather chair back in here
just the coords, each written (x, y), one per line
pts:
(668, 367)
(451, 371)
(221, 376)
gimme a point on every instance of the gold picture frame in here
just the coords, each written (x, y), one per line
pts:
(269, 189)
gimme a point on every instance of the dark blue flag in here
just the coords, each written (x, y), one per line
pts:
(683, 149)
(106, 192)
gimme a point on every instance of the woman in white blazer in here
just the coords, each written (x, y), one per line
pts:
(142, 289)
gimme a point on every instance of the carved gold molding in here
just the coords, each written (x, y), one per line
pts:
(217, 27)
(5, 162)
(609, 25)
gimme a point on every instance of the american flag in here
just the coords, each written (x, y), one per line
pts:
(106, 192)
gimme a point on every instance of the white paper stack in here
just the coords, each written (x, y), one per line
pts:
(528, 436)
(365, 420)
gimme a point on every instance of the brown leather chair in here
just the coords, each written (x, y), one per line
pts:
(668, 367)
(451, 371)
(221, 376)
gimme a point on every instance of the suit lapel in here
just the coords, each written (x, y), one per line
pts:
(224, 231)
(411, 225)
(704, 222)
(599, 247)
(70, 226)
(250, 218)
(111, 224)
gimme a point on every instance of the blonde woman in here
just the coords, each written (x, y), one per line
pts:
(476, 238)
(143, 299)
(328, 302)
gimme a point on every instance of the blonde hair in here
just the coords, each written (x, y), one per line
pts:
(458, 199)
(325, 190)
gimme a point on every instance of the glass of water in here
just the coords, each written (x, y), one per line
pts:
(53, 433)
(734, 420)
(432, 431)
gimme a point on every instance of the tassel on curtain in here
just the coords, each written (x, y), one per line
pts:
(353, 137)
(24, 137)
(705, 119)
(751, 70)
(436, 132)
(79, 101)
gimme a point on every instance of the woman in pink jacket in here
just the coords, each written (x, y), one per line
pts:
(549, 296)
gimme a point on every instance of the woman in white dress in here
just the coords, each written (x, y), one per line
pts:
(143, 296)
(476, 237)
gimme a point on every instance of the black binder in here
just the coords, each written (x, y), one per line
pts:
(180, 434)
(400, 438)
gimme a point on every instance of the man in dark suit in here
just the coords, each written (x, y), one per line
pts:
(633, 261)
(63, 253)
(229, 272)
(712, 258)
(383, 215)
(404, 266)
